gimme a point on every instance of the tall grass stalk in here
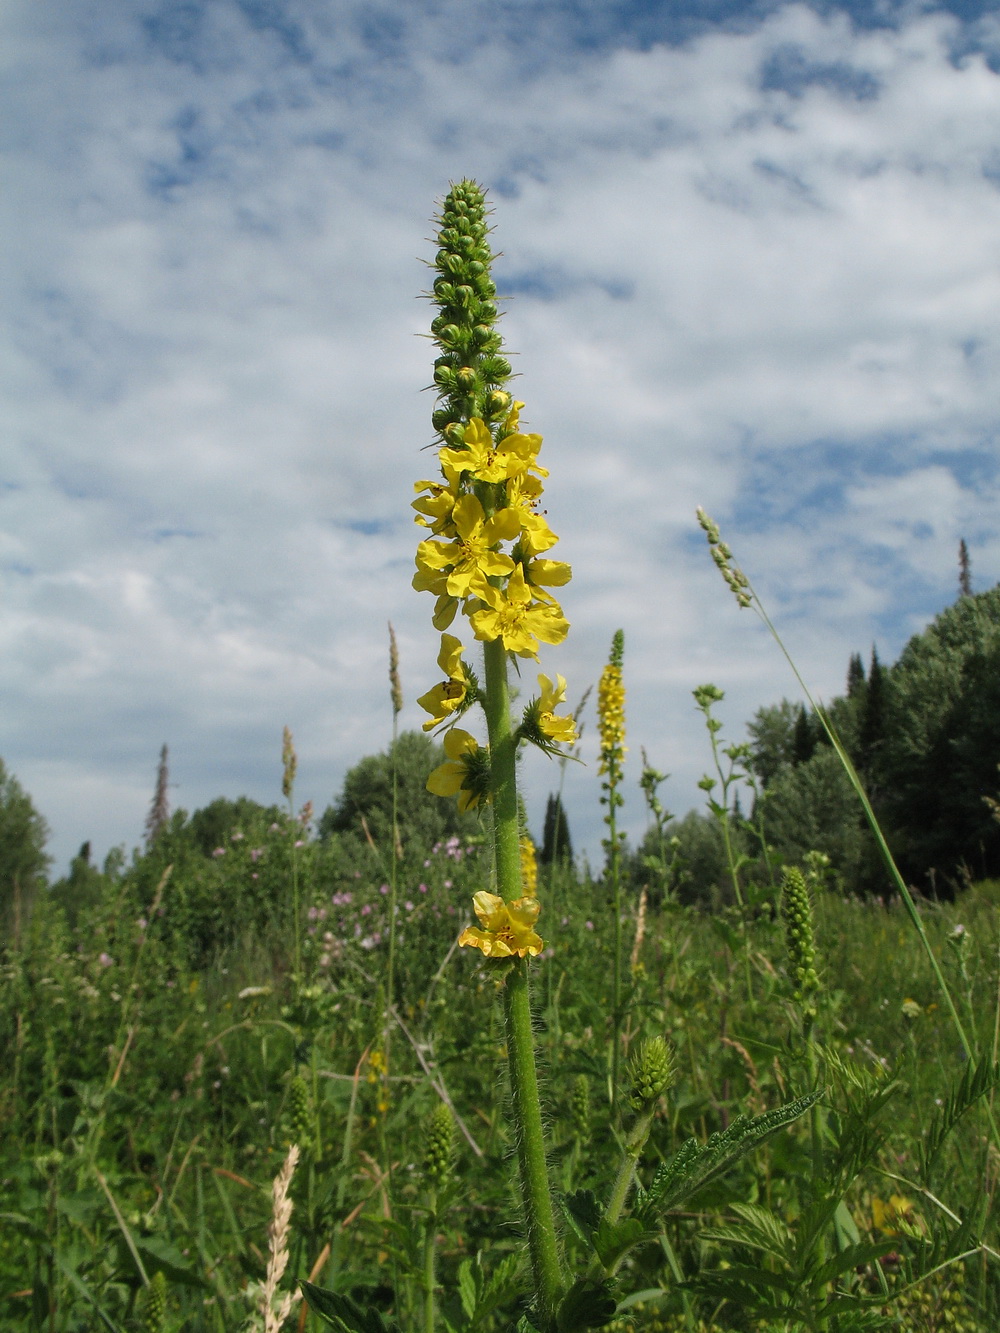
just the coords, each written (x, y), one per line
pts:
(747, 597)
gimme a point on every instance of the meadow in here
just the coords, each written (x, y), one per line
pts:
(406, 1067)
(151, 1094)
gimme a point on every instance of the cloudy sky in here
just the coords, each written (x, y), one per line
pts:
(753, 255)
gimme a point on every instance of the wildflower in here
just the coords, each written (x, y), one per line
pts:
(444, 699)
(471, 558)
(561, 729)
(507, 928)
(488, 461)
(466, 774)
(910, 1008)
(517, 619)
(105, 960)
(611, 710)
(529, 867)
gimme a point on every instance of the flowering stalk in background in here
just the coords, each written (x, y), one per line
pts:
(486, 558)
(611, 724)
(396, 696)
(289, 764)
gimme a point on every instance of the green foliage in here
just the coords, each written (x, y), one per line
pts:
(363, 810)
(23, 862)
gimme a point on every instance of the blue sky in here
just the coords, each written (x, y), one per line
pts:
(752, 251)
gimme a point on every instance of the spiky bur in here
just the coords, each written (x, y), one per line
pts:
(580, 1107)
(155, 1304)
(298, 1113)
(485, 556)
(797, 914)
(440, 1143)
(650, 1073)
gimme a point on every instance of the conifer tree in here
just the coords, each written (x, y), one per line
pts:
(159, 811)
(556, 842)
(855, 676)
(964, 570)
(804, 738)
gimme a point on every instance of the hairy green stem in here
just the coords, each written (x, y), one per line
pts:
(526, 1108)
(430, 1276)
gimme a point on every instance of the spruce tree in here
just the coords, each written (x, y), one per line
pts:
(556, 842)
(964, 570)
(159, 811)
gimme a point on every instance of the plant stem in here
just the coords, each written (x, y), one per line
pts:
(526, 1108)
(429, 1261)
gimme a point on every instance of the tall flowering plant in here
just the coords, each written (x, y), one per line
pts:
(486, 559)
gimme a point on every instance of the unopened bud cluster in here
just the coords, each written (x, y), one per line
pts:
(156, 1304)
(796, 912)
(469, 373)
(298, 1112)
(650, 1073)
(580, 1107)
(439, 1145)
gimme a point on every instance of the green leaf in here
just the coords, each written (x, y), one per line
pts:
(613, 1240)
(159, 1255)
(694, 1164)
(343, 1313)
(760, 1230)
(853, 1257)
(468, 1287)
(975, 1081)
(583, 1213)
(587, 1304)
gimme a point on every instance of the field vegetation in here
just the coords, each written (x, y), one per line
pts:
(280, 1069)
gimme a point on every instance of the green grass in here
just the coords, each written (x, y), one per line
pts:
(147, 1103)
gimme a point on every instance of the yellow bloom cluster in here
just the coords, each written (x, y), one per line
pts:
(488, 498)
(611, 717)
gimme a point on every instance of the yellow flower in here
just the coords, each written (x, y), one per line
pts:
(559, 729)
(439, 502)
(443, 699)
(529, 867)
(517, 620)
(470, 559)
(523, 494)
(488, 461)
(466, 774)
(611, 716)
(507, 928)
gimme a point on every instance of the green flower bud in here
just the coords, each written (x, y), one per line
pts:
(650, 1072)
(155, 1304)
(580, 1107)
(297, 1111)
(465, 324)
(439, 1144)
(796, 912)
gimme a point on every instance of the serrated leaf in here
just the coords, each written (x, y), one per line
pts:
(694, 1164)
(468, 1288)
(158, 1253)
(587, 1304)
(582, 1212)
(773, 1236)
(343, 1313)
(612, 1240)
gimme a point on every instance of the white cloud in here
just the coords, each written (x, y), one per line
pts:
(775, 296)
